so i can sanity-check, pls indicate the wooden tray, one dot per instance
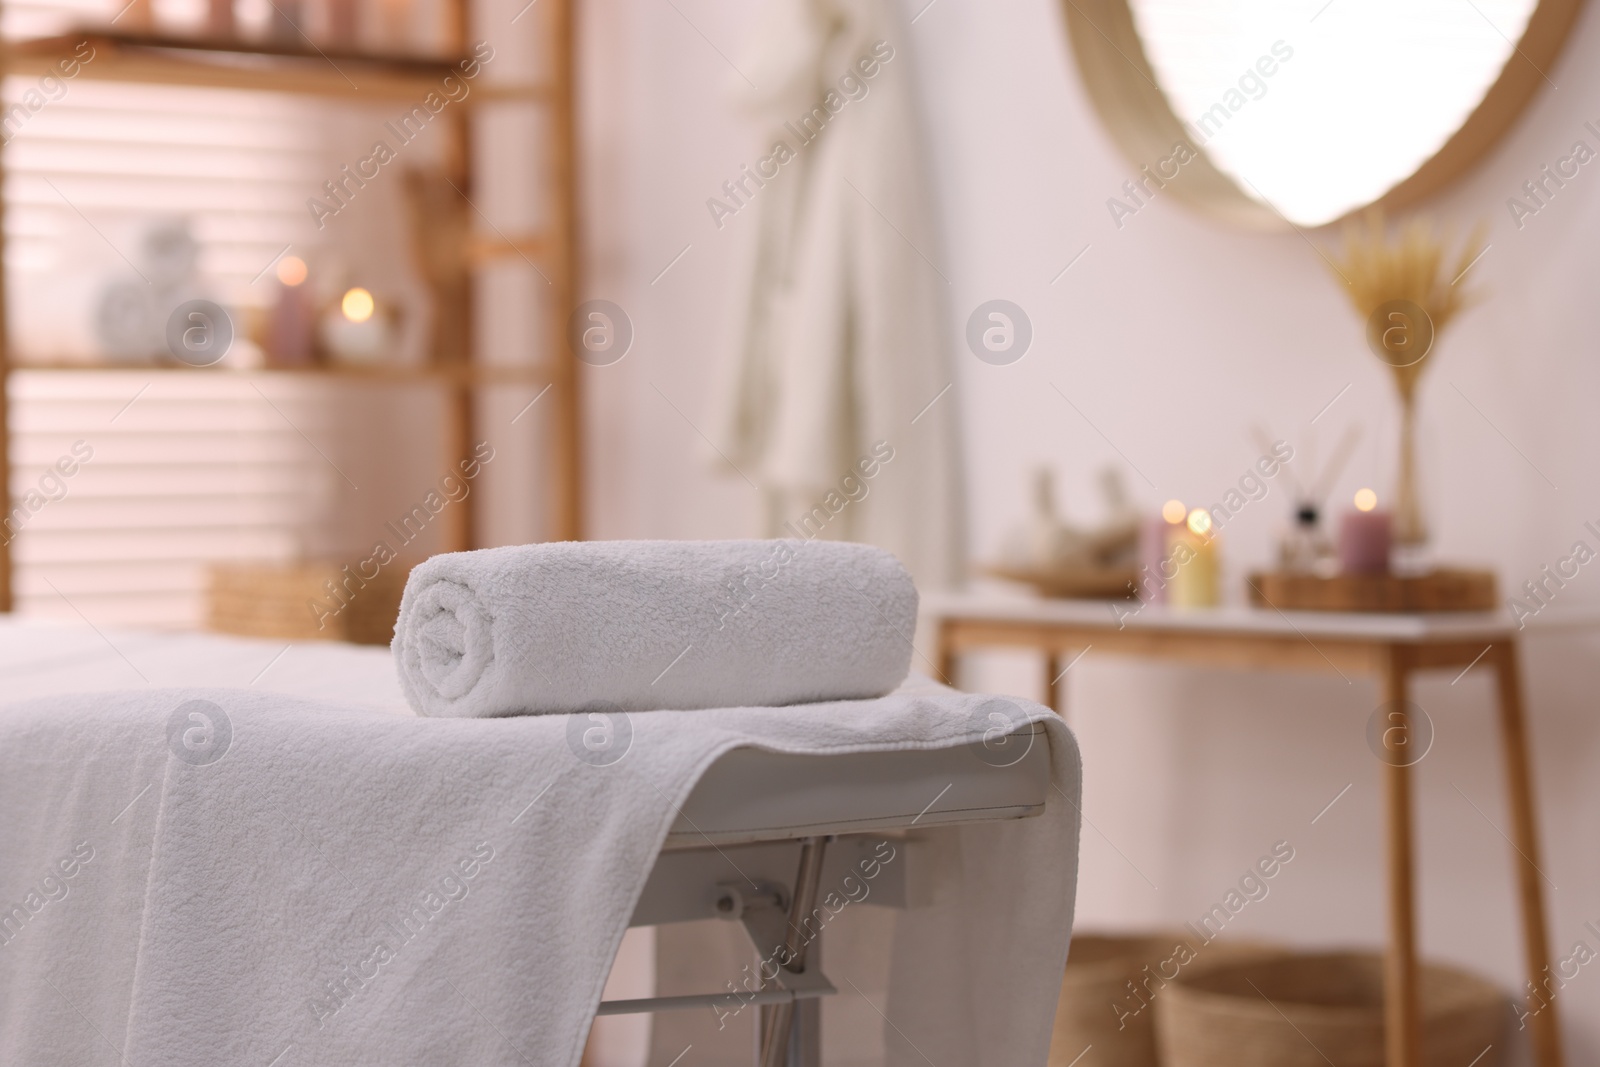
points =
(1443, 589)
(1109, 583)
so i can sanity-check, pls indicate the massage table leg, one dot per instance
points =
(778, 1020)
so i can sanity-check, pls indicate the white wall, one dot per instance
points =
(1173, 335)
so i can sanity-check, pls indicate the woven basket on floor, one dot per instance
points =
(1324, 1007)
(1097, 1007)
(292, 602)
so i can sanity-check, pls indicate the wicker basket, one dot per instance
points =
(279, 600)
(1325, 1007)
(1096, 1006)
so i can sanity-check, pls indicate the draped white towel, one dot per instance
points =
(345, 886)
(645, 625)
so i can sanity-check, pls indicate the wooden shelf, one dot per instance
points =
(449, 253)
(487, 249)
(259, 65)
(478, 374)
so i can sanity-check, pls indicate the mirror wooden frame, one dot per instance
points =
(1120, 81)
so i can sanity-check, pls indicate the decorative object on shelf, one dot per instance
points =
(291, 320)
(220, 25)
(358, 331)
(394, 21)
(288, 22)
(132, 312)
(1303, 546)
(125, 322)
(1073, 583)
(1198, 582)
(139, 16)
(437, 215)
(1441, 589)
(1365, 536)
(1062, 560)
(1045, 540)
(343, 23)
(1407, 295)
(171, 254)
(1155, 548)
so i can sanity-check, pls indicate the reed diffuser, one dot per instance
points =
(1407, 294)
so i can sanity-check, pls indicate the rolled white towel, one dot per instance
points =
(642, 625)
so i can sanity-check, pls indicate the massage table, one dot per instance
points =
(761, 840)
(764, 833)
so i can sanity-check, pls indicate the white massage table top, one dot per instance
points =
(41, 657)
(753, 794)
(748, 795)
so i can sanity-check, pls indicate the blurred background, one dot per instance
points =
(1165, 342)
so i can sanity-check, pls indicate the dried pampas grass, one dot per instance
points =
(1376, 270)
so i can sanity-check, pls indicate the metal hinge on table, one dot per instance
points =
(770, 916)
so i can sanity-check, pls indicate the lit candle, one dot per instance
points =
(292, 321)
(1364, 536)
(1155, 545)
(1197, 583)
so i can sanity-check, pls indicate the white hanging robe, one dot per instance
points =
(844, 337)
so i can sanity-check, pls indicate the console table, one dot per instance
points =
(1389, 647)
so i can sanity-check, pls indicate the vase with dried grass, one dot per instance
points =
(1407, 294)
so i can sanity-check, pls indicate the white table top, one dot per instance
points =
(1129, 615)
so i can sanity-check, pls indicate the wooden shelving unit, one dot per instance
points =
(349, 76)
(475, 374)
(232, 64)
(226, 64)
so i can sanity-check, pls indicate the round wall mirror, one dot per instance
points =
(1268, 112)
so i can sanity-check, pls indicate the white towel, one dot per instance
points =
(642, 625)
(345, 886)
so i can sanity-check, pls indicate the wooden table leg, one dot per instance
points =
(1402, 1014)
(1052, 673)
(1525, 837)
(944, 655)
